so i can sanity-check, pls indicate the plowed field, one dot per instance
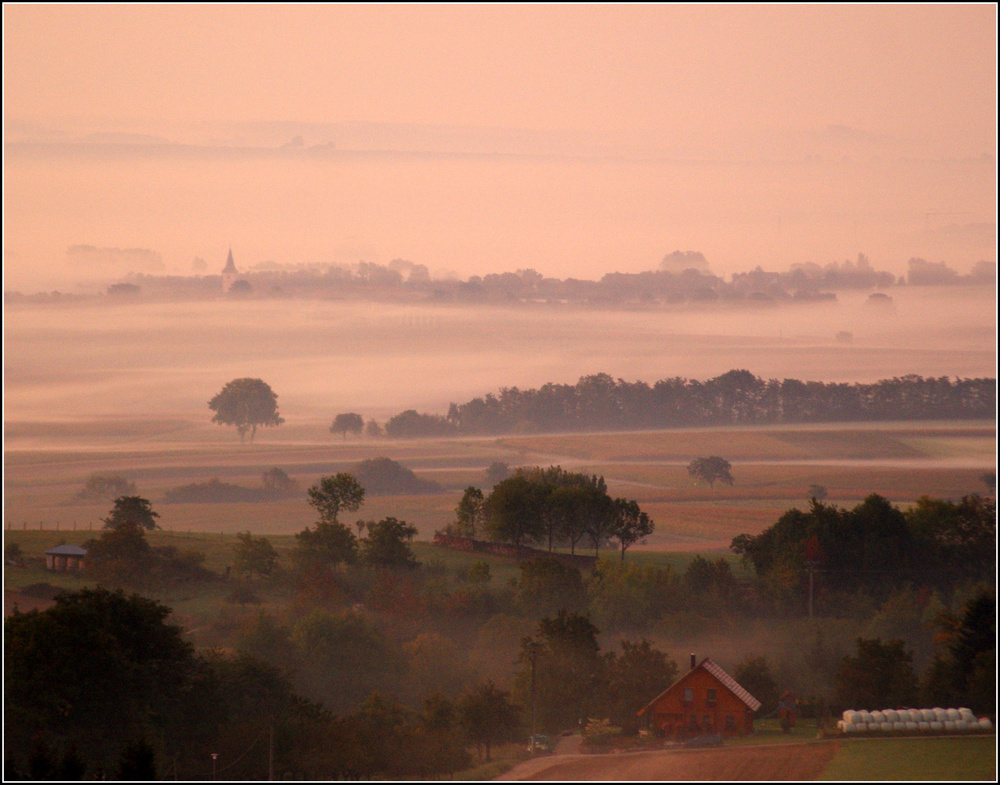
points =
(768, 763)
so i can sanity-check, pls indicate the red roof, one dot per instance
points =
(721, 676)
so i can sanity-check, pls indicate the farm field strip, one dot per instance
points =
(42, 485)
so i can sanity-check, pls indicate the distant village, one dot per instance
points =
(682, 277)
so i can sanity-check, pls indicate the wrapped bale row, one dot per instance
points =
(912, 720)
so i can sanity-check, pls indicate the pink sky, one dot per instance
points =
(684, 82)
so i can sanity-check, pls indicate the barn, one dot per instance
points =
(705, 700)
(65, 558)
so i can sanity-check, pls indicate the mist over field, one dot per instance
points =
(459, 214)
(322, 357)
(340, 576)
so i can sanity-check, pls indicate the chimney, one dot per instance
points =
(692, 661)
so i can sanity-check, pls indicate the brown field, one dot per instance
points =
(46, 464)
(768, 763)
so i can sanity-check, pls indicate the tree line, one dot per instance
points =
(600, 402)
(875, 546)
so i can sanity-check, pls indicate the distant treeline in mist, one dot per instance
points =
(599, 402)
(682, 276)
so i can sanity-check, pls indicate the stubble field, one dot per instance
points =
(773, 468)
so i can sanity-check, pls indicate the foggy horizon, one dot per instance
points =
(483, 139)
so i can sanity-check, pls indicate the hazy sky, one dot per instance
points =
(712, 82)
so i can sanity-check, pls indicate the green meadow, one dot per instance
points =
(944, 759)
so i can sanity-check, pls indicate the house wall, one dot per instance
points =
(675, 716)
(62, 563)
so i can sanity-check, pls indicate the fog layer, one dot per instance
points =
(325, 357)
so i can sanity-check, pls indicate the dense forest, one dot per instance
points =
(738, 397)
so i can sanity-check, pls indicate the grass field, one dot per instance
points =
(46, 465)
(945, 759)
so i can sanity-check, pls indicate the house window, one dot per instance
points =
(711, 697)
(689, 695)
(730, 722)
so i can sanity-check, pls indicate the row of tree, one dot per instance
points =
(551, 506)
(599, 402)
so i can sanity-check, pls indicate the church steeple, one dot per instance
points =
(230, 264)
(229, 273)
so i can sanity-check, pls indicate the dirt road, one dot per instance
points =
(768, 763)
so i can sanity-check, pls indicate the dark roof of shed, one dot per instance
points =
(66, 550)
(721, 676)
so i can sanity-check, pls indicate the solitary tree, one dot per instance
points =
(488, 716)
(337, 492)
(817, 492)
(325, 546)
(134, 509)
(711, 469)
(513, 511)
(247, 404)
(630, 524)
(110, 486)
(277, 482)
(754, 674)
(388, 544)
(470, 512)
(498, 471)
(254, 555)
(348, 421)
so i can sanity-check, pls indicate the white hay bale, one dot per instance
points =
(915, 715)
(923, 725)
(961, 725)
(927, 715)
(985, 724)
(911, 725)
(885, 726)
(949, 725)
(953, 715)
(891, 715)
(878, 716)
(967, 714)
(940, 714)
(899, 726)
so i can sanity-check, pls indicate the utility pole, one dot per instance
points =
(811, 567)
(533, 648)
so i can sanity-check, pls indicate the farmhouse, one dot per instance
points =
(65, 558)
(705, 700)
